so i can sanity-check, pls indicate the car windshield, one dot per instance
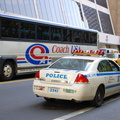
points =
(72, 64)
(112, 55)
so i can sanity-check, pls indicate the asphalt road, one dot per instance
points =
(17, 102)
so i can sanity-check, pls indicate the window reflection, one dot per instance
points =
(27, 31)
(9, 28)
(22, 7)
(43, 32)
(67, 35)
(8, 6)
(72, 13)
(28, 8)
(15, 6)
(53, 11)
(56, 34)
(49, 10)
(2, 5)
(32, 8)
(12, 28)
(58, 11)
(42, 9)
(66, 11)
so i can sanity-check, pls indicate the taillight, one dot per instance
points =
(37, 75)
(81, 79)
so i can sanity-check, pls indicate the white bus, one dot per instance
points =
(27, 45)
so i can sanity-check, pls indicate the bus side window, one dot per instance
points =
(43, 32)
(76, 36)
(67, 35)
(56, 34)
(9, 28)
(27, 30)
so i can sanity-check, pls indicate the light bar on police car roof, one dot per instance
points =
(88, 52)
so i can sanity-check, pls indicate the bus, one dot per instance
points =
(27, 44)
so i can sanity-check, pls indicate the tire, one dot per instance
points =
(8, 71)
(98, 99)
(49, 99)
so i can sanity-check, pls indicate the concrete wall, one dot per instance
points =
(114, 6)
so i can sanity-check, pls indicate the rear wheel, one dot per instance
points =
(8, 71)
(98, 99)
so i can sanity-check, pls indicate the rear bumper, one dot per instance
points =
(76, 92)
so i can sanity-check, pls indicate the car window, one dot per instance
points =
(72, 64)
(118, 56)
(113, 66)
(104, 66)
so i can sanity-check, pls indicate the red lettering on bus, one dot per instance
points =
(58, 49)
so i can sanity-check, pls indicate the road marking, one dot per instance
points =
(74, 113)
(16, 81)
(78, 112)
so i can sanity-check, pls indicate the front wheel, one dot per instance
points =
(8, 71)
(98, 99)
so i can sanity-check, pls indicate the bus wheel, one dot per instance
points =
(8, 71)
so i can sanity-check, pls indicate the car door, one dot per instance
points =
(116, 74)
(109, 75)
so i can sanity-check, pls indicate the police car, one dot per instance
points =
(78, 78)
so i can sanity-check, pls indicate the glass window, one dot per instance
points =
(42, 9)
(32, 8)
(27, 30)
(66, 11)
(56, 34)
(113, 66)
(22, 7)
(106, 23)
(71, 9)
(93, 38)
(53, 11)
(104, 66)
(9, 28)
(43, 32)
(2, 5)
(48, 10)
(76, 36)
(91, 0)
(67, 35)
(112, 55)
(28, 8)
(8, 6)
(92, 18)
(72, 64)
(84, 37)
(73, 13)
(58, 11)
(78, 14)
(102, 3)
(15, 6)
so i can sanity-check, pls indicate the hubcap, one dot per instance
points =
(7, 70)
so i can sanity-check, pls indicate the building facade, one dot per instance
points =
(114, 6)
(91, 14)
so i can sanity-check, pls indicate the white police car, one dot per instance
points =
(78, 78)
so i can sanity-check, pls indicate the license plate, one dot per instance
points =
(55, 90)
